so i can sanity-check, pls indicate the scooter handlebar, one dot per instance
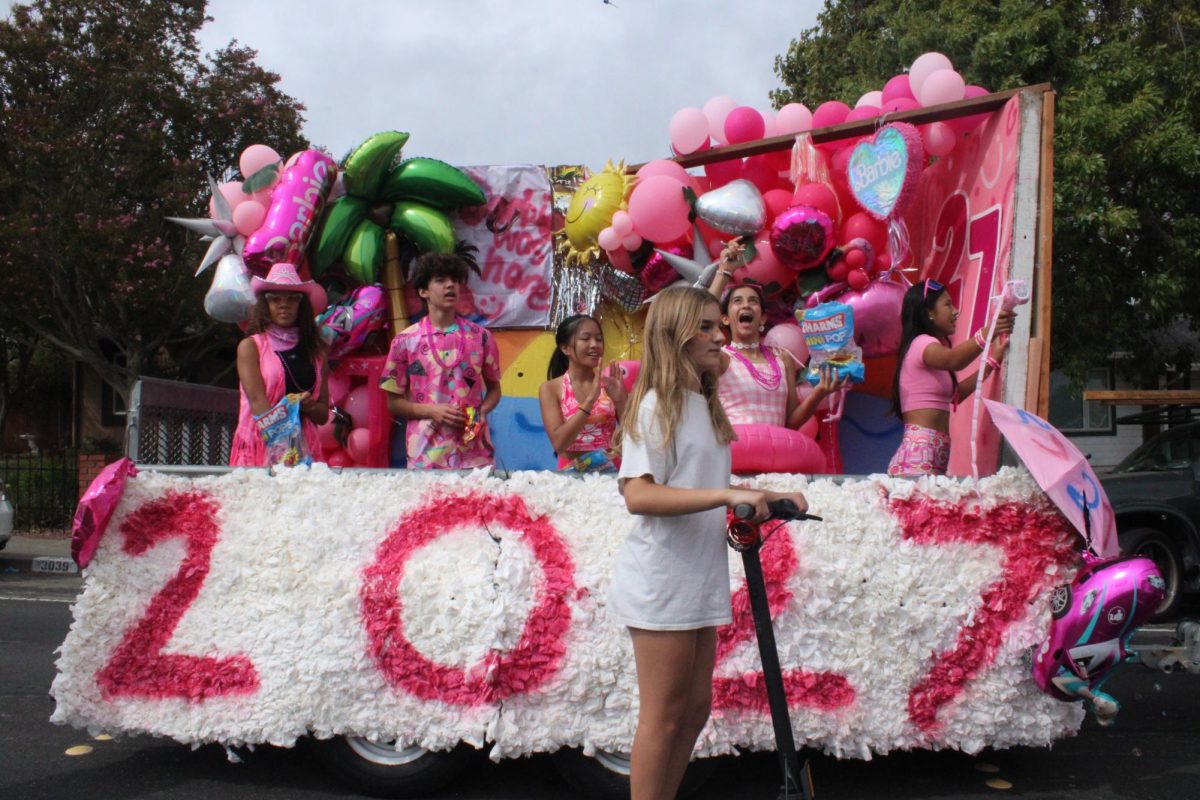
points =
(780, 509)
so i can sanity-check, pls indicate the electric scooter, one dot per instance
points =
(746, 538)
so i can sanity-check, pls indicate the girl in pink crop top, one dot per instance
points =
(581, 403)
(926, 388)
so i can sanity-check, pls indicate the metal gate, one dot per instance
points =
(43, 489)
(172, 422)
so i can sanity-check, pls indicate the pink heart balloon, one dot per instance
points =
(876, 317)
(884, 169)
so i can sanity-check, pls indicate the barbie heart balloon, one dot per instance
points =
(736, 208)
(884, 169)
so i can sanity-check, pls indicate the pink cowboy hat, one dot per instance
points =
(284, 278)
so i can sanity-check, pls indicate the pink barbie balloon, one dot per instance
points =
(1093, 620)
(802, 236)
(296, 205)
(884, 170)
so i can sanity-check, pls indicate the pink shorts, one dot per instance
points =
(922, 451)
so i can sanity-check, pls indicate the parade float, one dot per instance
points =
(401, 617)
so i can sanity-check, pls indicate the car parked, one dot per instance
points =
(6, 518)
(1155, 494)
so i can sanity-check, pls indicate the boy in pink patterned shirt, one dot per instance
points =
(443, 374)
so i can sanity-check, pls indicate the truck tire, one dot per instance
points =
(1160, 548)
(380, 770)
(605, 776)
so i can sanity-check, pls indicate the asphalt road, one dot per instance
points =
(1153, 752)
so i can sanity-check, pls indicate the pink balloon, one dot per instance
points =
(898, 104)
(609, 239)
(801, 237)
(688, 130)
(818, 196)
(939, 138)
(339, 387)
(631, 242)
(896, 88)
(715, 110)
(296, 205)
(777, 200)
(857, 279)
(248, 216)
(770, 125)
(787, 336)
(658, 209)
(743, 124)
(358, 445)
(943, 86)
(759, 171)
(233, 194)
(863, 226)
(832, 112)
(964, 124)
(358, 406)
(96, 508)
(672, 169)
(622, 223)
(338, 458)
(862, 112)
(794, 118)
(766, 268)
(925, 65)
(722, 172)
(255, 157)
(870, 99)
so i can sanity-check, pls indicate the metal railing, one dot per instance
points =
(43, 489)
(171, 422)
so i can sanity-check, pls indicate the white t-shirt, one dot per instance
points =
(672, 573)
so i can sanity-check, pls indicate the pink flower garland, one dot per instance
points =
(536, 657)
(1031, 542)
(137, 667)
(826, 691)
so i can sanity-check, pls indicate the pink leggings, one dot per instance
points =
(922, 451)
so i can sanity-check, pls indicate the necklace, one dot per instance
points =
(747, 346)
(433, 350)
(770, 383)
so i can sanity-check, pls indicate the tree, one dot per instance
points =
(110, 118)
(1127, 149)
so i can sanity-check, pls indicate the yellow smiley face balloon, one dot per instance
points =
(591, 210)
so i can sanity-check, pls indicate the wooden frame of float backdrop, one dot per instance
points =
(1033, 214)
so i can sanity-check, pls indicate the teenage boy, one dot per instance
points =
(443, 374)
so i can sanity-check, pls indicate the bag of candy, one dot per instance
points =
(829, 333)
(282, 433)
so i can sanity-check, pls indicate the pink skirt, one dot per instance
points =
(922, 451)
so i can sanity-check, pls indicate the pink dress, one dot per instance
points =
(247, 449)
(426, 365)
(598, 431)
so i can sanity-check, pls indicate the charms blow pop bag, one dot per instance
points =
(283, 433)
(829, 333)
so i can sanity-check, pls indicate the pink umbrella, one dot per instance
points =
(1063, 473)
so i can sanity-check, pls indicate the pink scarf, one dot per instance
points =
(282, 339)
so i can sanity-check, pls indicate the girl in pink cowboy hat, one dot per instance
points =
(283, 354)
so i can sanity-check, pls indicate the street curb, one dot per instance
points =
(38, 557)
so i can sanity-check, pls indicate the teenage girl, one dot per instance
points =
(926, 387)
(581, 403)
(670, 584)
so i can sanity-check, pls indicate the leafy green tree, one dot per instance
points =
(110, 117)
(1127, 142)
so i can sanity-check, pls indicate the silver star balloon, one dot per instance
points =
(221, 231)
(696, 271)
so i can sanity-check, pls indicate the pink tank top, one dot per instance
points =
(247, 448)
(920, 386)
(597, 433)
(754, 400)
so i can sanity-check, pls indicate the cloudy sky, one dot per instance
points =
(512, 81)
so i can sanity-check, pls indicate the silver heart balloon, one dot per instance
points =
(736, 208)
(230, 298)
